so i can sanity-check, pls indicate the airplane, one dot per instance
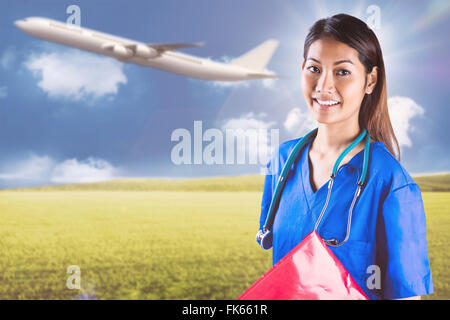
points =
(248, 66)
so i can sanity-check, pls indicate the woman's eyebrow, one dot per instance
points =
(336, 63)
(343, 61)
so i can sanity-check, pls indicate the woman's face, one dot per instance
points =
(333, 81)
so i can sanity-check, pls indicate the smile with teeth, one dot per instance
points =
(327, 102)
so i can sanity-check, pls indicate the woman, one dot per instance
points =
(384, 246)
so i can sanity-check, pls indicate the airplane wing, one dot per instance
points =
(161, 47)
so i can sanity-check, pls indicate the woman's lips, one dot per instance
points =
(326, 105)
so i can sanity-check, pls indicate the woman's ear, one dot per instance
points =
(303, 64)
(372, 78)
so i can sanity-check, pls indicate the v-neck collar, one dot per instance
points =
(355, 163)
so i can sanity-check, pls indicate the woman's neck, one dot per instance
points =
(334, 138)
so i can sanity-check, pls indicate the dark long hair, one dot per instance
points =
(373, 114)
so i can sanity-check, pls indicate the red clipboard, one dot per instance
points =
(310, 271)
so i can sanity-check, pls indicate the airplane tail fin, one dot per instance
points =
(257, 58)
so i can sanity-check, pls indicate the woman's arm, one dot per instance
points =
(403, 247)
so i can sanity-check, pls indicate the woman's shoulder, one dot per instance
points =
(280, 156)
(286, 147)
(386, 167)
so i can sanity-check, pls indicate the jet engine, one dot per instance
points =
(121, 52)
(145, 52)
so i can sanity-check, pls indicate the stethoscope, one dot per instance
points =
(264, 236)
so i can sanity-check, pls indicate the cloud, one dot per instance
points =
(91, 170)
(298, 122)
(3, 92)
(224, 59)
(44, 169)
(33, 168)
(74, 74)
(8, 57)
(249, 121)
(269, 83)
(254, 127)
(401, 111)
(229, 84)
(266, 83)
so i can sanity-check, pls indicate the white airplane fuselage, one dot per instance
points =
(117, 47)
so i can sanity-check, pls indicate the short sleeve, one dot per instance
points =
(403, 254)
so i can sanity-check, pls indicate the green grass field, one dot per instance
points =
(231, 184)
(153, 244)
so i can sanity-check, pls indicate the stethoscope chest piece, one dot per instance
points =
(264, 239)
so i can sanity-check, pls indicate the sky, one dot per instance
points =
(69, 116)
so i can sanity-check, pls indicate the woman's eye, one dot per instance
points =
(313, 69)
(343, 72)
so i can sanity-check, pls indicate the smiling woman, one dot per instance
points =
(351, 68)
(378, 231)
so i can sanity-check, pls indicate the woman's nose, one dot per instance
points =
(325, 82)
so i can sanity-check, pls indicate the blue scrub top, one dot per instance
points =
(388, 229)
